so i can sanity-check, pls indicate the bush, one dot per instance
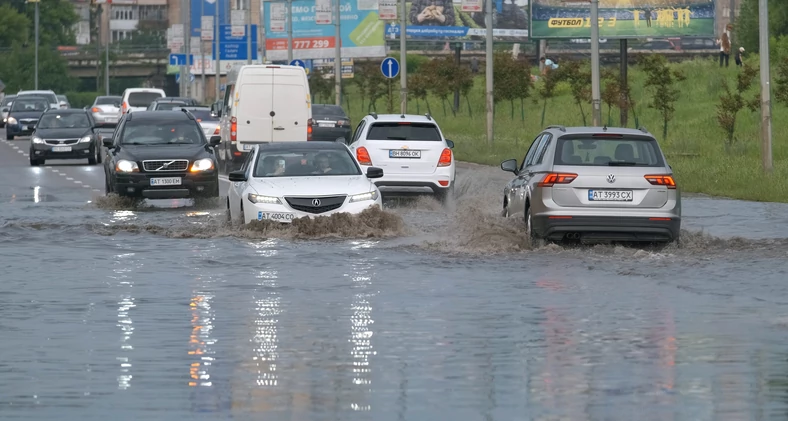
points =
(82, 99)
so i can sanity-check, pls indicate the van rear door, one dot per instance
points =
(253, 117)
(291, 108)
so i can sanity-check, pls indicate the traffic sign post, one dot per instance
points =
(180, 60)
(299, 63)
(389, 67)
(235, 47)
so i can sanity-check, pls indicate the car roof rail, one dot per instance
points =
(429, 117)
(643, 129)
(374, 115)
(556, 126)
(188, 114)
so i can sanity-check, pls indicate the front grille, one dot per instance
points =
(61, 141)
(308, 204)
(166, 165)
(28, 120)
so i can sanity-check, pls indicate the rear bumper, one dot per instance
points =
(608, 228)
(410, 184)
(16, 130)
(328, 134)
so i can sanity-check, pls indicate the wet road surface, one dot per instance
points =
(164, 312)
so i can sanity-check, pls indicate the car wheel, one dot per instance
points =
(9, 137)
(535, 240)
(34, 162)
(98, 154)
(445, 195)
(92, 159)
(242, 216)
(505, 212)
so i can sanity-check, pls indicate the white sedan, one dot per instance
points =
(288, 180)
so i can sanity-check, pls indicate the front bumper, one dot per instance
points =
(286, 214)
(78, 151)
(192, 185)
(19, 129)
(656, 228)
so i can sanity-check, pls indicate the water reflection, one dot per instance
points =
(361, 329)
(36, 194)
(123, 215)
(125, 282)
(200, 340)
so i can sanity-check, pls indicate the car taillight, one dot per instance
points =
(343, 123)
(362, 155)
(557, 178)
(124, 107)
(233, 129)
(662, 180)
(445, 159)
(95, 110)
(309, 129)
(217, 130)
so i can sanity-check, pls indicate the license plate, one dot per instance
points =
(248, 146)
(327, 124)
(26, 127)
(61, 149)
(610, 195)
(404, 153)
(169, 181)
(275, 216)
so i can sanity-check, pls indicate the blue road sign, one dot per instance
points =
(299, 63)
(178, 77)
(180, 60)
(234, 48)
(389, 67)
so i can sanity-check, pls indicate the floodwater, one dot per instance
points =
(163, 311)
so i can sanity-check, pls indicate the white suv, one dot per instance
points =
(411, 150)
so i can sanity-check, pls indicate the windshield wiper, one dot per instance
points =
(623, 164)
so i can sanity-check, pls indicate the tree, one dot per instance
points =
(418, 85)
(17, 70)
(611, 91)
(547, 90)
(746, 26)
(661, 79)
(578, 76)
(733, 101)
(56, 20)
(319, 85)
(13, 26)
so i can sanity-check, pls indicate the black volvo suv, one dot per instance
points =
(161, 155)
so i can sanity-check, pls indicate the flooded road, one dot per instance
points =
(162, 311)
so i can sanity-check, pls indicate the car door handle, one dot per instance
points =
(279, 128)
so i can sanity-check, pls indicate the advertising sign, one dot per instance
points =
(323, 13)
(623, 18)
(456, 20)
(361, 33)
(209, 6)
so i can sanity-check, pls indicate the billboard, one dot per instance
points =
(209, 6)
(446, 20)
(623, 18)
(361, 31)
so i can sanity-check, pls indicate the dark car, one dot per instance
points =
(171, 103)
(330, 122)
(65, 134)
(5, 105)
(24, 114)
(161, 155)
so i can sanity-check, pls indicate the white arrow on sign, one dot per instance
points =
(391, 71)
(210, 1)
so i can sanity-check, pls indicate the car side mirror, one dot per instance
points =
(510, 165)
(374, 172)
(450, 143)
(237, 176)
(107, 142)
(215, 140)
(5, 110)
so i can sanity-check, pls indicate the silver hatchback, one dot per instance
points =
(594, 184)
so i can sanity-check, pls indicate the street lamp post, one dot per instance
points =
(36, 32)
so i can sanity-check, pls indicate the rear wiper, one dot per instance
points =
(622, 164)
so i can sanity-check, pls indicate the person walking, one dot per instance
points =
(725, 46)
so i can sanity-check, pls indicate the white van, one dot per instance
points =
(54, 103)
(263, 103)
(138, 99)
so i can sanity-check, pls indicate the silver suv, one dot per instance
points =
(594, 184)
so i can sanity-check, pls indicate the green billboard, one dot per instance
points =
(623, 18)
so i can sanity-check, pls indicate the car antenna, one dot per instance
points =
(604, 128)
(402, 116)
(374, 115)
(429, 117)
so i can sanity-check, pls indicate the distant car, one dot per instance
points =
(330, 122)
(24, 114)
(138, 99)
(283, 181)
(161, 155)
(54, 102)
(5, 105)
(594, 184)
(65, 134)
(171, 103)
(105, 110)
(209, 123)
(412, 151)
(63, 101)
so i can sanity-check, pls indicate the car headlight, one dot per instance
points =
(11, 120)
(270, 200)
(126, 166)
(373, 195)
(204, 164)
(36, 139)
(85, 139)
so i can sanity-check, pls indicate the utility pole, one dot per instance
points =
(106, 49)
(99, 11)
(766, 94)
(403, 58)
(249, 32)
(187, 41)
(488, 22)
(202, 54)
(289, 31)
(217, 39)
(337, 53)
(596, 95)
(36, 23)
(184, 49)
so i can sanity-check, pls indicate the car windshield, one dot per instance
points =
(49, 97)
(305, 162)
(108, 100)
(328, 110)
(64, 121)
(7, 100)
(62, 98)
(404, 131)
(166, 106)
(142, 99)
(161, 132)
(608, 151)
(29, 104)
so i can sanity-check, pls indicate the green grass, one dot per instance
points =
(695, 145)
(627, 29)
